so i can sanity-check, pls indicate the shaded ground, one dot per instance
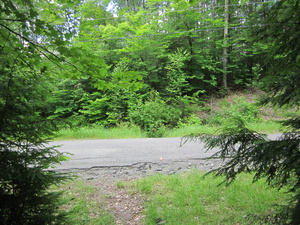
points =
(127, 207)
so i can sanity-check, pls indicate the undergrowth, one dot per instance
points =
(262, 120)
(94, 132)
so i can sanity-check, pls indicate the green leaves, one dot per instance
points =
(24, 156)
(177, 79)
(244, 149)
(154, 116)
(231, 114)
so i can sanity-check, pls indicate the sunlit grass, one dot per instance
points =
(190, 198)
(100, 133)
(134, 132)
(266, 127)
(191, 129)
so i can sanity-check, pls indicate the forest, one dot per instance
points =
(148, 63)
(155, 63)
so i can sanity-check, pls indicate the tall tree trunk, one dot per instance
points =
(225, 55)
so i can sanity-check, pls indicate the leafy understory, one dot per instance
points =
(218, 112)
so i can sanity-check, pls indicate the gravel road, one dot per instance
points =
(134, 157)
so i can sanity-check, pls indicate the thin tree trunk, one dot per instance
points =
(225, 55)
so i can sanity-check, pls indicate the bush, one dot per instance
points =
(108, 109)
(193, 119)
(155, 117)
(241, 110)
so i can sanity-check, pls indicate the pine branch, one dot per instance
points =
(44, 51)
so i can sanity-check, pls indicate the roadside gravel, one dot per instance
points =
(141, 169)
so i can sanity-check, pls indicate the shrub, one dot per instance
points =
(241, 110)
(155, 117)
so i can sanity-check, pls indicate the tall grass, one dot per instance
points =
(192, 199)
(125, 132)
(100, 133)
(267, 127)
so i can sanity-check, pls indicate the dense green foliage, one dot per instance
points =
(247, 150)
(155, 116)
(171, 48)
(229, 113)
(28, 39)
(148, 63)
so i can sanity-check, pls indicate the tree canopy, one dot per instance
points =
(131, 50)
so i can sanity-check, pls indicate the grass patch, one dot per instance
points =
(267, 127)
(191, 129)
(82, 208)
(190, 198)
(100, 133)
(134, 132)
